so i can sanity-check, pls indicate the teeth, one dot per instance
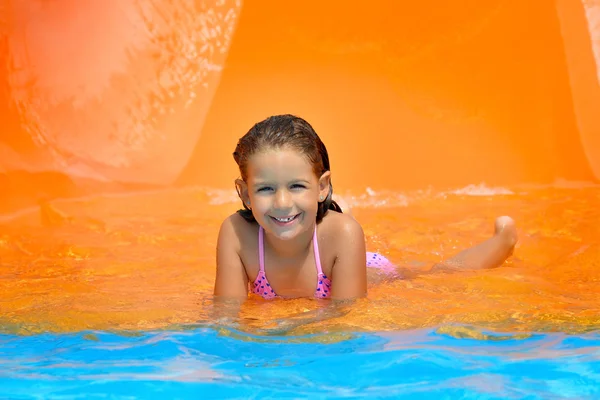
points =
(285, 219)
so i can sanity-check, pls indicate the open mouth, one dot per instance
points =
(285, 220)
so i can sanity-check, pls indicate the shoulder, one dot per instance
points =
(342, 229)
(235, 230)
(349, 267)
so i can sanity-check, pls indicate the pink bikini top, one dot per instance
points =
(264, 289)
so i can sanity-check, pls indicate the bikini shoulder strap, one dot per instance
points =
(316, 250)
(261, 249)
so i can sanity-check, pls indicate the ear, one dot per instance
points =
(242, 190)
(324, 185)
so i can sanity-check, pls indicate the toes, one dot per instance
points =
(503, 222)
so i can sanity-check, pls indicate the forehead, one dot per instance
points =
(279, 164)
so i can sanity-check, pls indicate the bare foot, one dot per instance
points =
(506, 227)
(488, 254)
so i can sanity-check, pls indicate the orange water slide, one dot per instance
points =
(107, 94)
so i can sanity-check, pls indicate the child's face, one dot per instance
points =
(284, 192)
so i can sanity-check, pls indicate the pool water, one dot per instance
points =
(111, 296)
(207, 363)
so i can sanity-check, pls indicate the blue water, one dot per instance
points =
(208, 363)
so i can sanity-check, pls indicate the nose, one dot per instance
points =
(283, 199)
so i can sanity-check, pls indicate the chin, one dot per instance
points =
(287, 235)
(291, 232)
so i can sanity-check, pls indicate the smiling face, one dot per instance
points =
(283, 191)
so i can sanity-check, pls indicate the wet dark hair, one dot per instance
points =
(285, 131)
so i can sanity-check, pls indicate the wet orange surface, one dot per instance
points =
(411, 99)
(147, 261)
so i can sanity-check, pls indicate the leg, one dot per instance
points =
(489, 254)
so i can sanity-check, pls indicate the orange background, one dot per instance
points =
(121, 95)
(404, 94)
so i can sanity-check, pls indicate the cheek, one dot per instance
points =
(258, 202)
(310, 201)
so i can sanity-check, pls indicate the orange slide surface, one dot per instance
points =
(122, 96)
(126, 94)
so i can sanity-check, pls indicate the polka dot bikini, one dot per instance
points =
(375, 260)
(263, 288)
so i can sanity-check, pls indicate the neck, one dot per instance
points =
(290, 248)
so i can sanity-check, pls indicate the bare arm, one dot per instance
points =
(349, 274)
(231, 280)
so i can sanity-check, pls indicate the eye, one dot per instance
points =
(298, 186)
(264, 189)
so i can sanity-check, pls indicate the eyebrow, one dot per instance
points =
(270, 183)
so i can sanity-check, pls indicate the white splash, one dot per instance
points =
(592, 14)
(481, 190)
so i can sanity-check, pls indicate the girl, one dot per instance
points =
(292, 239)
